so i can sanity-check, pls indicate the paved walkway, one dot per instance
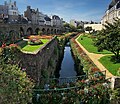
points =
(95, 57)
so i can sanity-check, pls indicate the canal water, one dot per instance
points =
(67, 65)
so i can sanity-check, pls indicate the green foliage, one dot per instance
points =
(88, 44)
(109, 38)
(73, 28)
(88, 29)
(32, 48)
(35, 42)
(10, 54)
(22, 43)
(15, 86)
(69, 28)
(115, 97)
(40, 32)
(118, 72)
(66, 25)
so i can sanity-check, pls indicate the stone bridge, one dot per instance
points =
(27, 29)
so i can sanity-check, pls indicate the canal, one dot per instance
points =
(67, 66)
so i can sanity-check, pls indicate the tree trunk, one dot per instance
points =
(117, 55)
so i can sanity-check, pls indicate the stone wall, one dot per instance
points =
(43, 63)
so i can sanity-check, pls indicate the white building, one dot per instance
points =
(112, 12)
(12, 8)
(12, 11)
(95, 27)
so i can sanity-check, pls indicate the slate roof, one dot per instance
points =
(112, 3)
(47, 18)
(55, 17)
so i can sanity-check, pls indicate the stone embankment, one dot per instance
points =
(41, 64)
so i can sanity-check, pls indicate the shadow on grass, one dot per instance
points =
(115, 60)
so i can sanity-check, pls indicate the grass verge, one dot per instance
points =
(111, 66)
(88, 44)
(32, 48)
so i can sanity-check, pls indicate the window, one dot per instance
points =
(12, 6)
(119, 13)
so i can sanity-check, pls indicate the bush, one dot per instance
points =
(15, 86)
(35, 42)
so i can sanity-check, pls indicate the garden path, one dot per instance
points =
(95, 57)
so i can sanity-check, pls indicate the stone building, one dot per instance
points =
(41, 19)
(13, 12)
(47, 20)
(112, 12)
(56, 21)
(3, 13)
(9, 11)
(32, 15)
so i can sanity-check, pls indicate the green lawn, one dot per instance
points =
(111, 66)
(32, 48)
(88, 44)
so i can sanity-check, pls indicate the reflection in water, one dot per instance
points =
(67, 66)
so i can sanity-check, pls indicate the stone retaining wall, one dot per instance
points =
(43, 63)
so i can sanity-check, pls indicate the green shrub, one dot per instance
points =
(35, 42)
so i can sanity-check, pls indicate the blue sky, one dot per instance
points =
(85, 10)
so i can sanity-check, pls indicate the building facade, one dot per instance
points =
(56, 21)
(3, 12)
(32, 15)
(112, 12)
(95, 27)
(9, 11)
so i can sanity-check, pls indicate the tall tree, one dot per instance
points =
(109, 38)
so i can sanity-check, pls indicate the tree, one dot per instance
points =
(66, 27)
(73, 28)
(88, 29)
(80, 28)
(15, 86)
(115, 96)
(109, 38)
(40, 33)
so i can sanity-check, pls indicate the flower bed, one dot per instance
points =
(35, 42)
(84, 60)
